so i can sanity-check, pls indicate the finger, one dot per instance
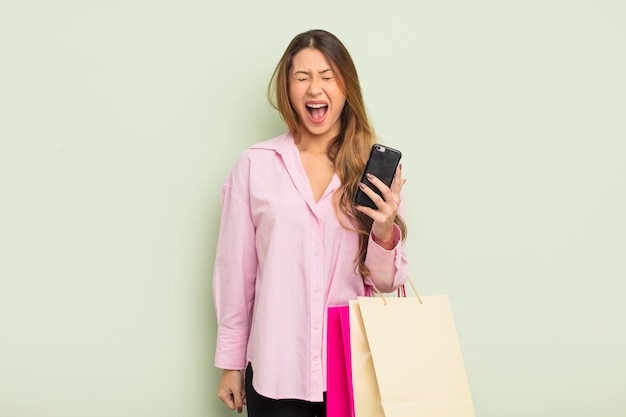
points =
(376, 182)
(238, 397)
(374, 196)
(227, 398)
(368, 211)
(382, 188)
(398, 182)
(380, 215)
(388, 196)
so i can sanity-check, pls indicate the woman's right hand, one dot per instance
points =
(230, 390)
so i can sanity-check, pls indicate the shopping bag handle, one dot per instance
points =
(401, 291)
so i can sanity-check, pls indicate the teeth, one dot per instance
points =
(316, 106)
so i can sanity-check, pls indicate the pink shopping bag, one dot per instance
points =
(339, 394)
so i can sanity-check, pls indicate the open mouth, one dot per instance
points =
(317, 111)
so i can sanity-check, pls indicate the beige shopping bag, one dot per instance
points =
(364, 385)
(417, 360)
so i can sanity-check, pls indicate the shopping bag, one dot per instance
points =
(339, 402)
(417, 360)
(366, 395)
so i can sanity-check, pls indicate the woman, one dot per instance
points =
(292, 242)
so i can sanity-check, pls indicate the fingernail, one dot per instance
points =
(361, 186)
(369, 176)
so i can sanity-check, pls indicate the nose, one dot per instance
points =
(315, 87)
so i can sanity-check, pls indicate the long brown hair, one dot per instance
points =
(350, 149)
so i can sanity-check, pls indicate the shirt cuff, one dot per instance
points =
(230, 351)
(387, 267)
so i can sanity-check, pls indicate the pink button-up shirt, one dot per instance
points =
(282, 259)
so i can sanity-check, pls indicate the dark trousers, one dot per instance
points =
(260, 406)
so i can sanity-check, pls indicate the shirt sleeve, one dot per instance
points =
(388, 268)
(235, 270)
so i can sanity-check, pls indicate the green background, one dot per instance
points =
(119, 121)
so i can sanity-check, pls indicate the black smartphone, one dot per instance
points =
(382, 164)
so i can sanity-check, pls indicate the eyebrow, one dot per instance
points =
(308, 73)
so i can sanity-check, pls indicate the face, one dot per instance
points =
(315, 94)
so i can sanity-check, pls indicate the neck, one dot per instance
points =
(313, 144)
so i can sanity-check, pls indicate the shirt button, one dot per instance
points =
(315, 358)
